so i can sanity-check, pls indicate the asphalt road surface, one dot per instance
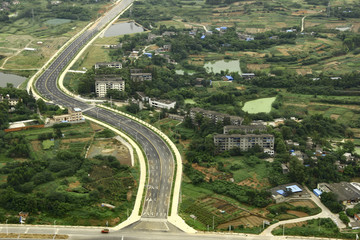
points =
(160, 158)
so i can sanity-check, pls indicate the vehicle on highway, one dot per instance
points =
(105, 230)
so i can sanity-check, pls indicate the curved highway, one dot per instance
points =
(160, 158)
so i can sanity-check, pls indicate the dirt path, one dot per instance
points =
(17, 53)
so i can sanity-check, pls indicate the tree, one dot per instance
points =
(349, 146)
(297, 171)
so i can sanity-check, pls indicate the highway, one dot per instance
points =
(160, 158)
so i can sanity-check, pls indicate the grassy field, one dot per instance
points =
(259, 105)
(95, 53)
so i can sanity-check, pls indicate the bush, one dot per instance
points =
(344, 218)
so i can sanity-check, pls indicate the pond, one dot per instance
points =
(259, 105)
(181, 72)
(10, 78)
(118, 29)
(223, 65)
(57, 21)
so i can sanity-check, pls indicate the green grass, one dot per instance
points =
(47, 144)
(189, 101)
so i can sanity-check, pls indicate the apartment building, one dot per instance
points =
(140, 77)
(215, 116)
(244, 129)
(117, 65)
(162, 103)
(104, 83)
(226, 142)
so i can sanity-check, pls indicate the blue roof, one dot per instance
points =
(148, 54)
(317, 192)
(280, 192)
(218, 29)
(249, 39)
(294, 188)
(230, 78)
(223, 28)
(203, 36)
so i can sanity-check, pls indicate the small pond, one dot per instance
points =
(223, 65)
(118, 29)
(10, 78)
(259, 105)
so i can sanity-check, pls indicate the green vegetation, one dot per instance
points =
(321, 227)
(47, 144)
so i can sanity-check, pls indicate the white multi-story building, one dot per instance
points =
(104, 83)
(162, 103)
(117, 65)
(226, 142)
(215, 116)
(73, 116)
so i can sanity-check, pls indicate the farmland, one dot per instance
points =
(93, 180)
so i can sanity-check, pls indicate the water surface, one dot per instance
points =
(10, 78)
(118, 29)
(223, 65)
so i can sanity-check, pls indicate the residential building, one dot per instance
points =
(104, 83)
(142, 96)
(176, 117)
(215, 116)
(244, 129)
(74, 115)
(134, 54)
(225, 142)
(140, 77)
(167, 104)
(117, 65)
(346, 193)
(9, 100)
(248, 75)
(288, 191)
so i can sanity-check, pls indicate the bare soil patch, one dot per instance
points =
(248, 221)
(297, 213)
(74, 185)
(303, 203)
(36, 236)
(304, 71)
(110, 147)
(254, 182)
(75, 140)
(283, 51)
(211, 172)
(95, 127)
(36, 145)
(334, 116)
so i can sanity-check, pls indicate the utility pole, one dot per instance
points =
(283, 230)
(213, 223)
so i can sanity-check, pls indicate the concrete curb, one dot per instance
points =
(38, 73)
(62, 76)
(134, 217)
(174, 218)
